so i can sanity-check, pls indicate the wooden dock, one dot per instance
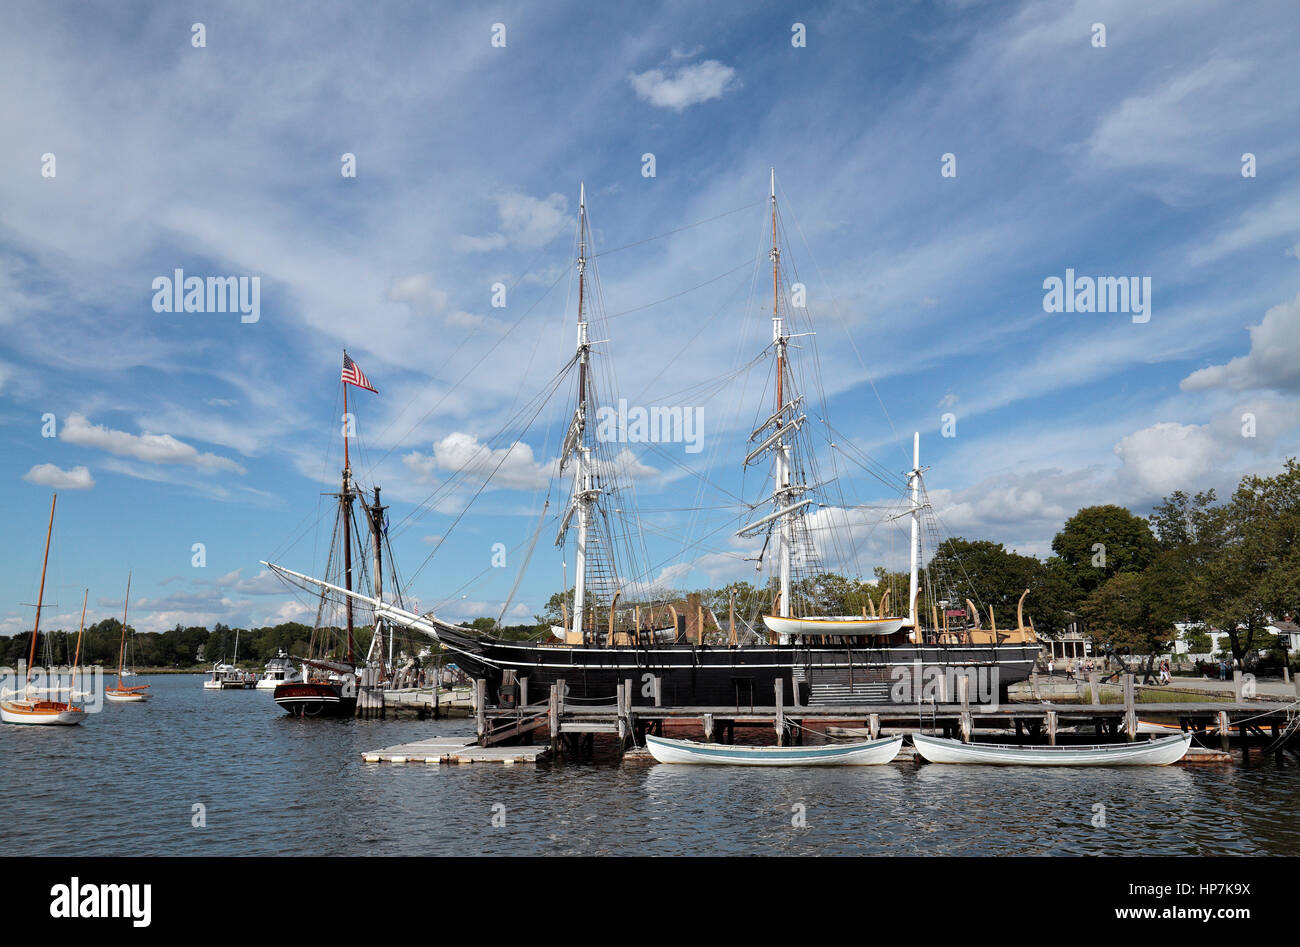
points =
(571, 729)
(506, 734)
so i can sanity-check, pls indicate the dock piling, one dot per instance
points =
(480, 710)
(1130, 708)
(779, 720)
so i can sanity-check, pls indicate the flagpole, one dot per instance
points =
(347, 463)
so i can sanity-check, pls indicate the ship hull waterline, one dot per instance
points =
(315, 699)
(716, 676)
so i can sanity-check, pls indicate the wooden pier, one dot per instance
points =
(539, 731)
(571, 728)
(375, 701)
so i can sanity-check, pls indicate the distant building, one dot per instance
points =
(1070, 645)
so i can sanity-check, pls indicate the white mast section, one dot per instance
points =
(583, 494)
(914, 481)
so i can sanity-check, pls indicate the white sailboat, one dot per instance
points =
(26, 707)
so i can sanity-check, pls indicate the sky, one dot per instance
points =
(472, 127)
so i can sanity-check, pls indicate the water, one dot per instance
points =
(125, 782)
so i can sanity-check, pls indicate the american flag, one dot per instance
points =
(353, 375)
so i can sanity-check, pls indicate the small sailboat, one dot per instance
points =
(122, 693)
(1159, 752)
(868, 753)
(21, 708)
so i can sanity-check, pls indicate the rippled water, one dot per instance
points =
(125, 782)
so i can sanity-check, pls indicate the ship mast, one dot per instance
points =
(776, 435)
(782, 452)
(345, 510)
(914, 482)
(377, 531)
(583, 494)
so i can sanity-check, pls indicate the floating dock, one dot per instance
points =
(454, 751)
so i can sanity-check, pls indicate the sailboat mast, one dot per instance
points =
(581, 474)
(72, 693)
(121, 653)
(40, 595)
(782, 463)
(914, 481)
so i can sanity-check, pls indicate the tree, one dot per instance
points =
(988, 574)
(1129, 613)
(1099, 542)
(1252, 570)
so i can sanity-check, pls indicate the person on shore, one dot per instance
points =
(1223, 670)
(1069, 671)
(1051, 667)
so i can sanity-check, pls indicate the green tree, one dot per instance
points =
(1100, 542)
(1129, 613)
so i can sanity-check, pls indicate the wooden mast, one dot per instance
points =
(40, 595)
(72, 692)
(121, 653)
(377, 531)
(345, 507)
(782, 458)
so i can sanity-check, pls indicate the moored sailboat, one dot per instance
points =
(22, 708)
(121, 693)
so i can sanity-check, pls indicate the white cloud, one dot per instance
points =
(511, 467)
(1169, 456)
(421, 295)
(1272, 362)
(152, 448)
(523, 222)
(685, 86)
(48, 475)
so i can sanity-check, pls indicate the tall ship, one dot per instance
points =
(326, 686)
(815, 656)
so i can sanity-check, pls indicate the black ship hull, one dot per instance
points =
(315, 699)
(721, 676)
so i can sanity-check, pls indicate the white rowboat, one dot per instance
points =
(837, 625)
(870, 753)
(1160, 752)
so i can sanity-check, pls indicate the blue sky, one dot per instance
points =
(225, 160)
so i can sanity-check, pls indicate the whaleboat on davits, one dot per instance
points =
(840, 659)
